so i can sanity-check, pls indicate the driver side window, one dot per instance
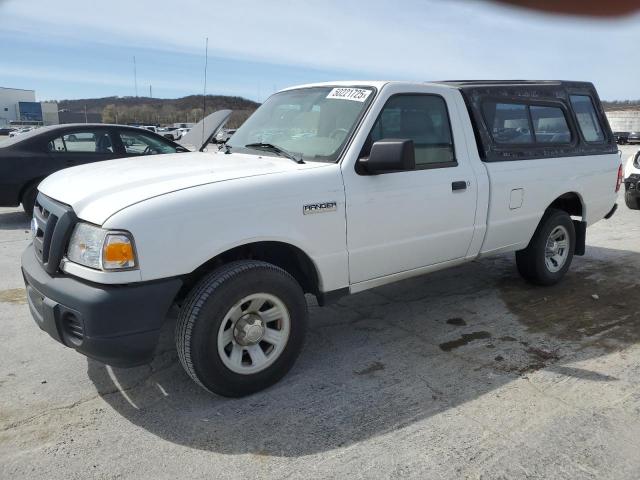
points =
(423, 119)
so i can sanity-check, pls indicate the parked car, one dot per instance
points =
(622, 138)
(172, 133)
(20, 131)
(632, 182)
(6, 131)
(28, 158)
(224, 135)
(362, 185)
(633, 137)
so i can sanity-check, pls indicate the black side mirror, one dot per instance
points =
(389, 155)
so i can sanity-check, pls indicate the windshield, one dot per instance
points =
(311, 123)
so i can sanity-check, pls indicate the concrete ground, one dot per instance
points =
(466, 373)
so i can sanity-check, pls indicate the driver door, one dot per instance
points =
(406, 220)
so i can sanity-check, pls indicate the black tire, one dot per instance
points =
(632, 202)
(204, 310)
(531, 261)
(28, 199)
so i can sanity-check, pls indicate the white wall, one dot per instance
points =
(9, 98)
(50, 113)
(624, 120)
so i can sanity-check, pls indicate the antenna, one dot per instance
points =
(135, 75)
(204, 93)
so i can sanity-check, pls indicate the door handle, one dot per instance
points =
(461, 185)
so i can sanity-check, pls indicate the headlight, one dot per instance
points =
(95, 247)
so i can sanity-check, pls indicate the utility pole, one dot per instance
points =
(150, 92)
(204, 92)
(135, 75)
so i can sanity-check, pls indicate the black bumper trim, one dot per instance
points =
(115, 324)
(611, 212)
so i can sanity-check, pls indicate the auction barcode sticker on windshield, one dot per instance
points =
(348, 93)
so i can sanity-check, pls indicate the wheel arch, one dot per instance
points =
(570, 202)
(285, 255)
(573, 204)
(27, 185)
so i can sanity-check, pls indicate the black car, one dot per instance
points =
(28, 158)
(622, 138)
(633, 137)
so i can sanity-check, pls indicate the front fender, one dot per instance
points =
(178, 232)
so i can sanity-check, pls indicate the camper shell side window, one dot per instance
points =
(534, 120)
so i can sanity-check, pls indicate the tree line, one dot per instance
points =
(621, 105)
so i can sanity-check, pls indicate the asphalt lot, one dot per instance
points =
(465, 373)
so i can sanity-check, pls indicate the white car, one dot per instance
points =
(172, 133)
(20, 131)
(327, 189)
(632, 182)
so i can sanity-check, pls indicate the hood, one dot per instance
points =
(202, 132)
(98, 190)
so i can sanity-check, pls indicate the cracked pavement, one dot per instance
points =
(465, 373)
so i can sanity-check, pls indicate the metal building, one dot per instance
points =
(10, 99)
(624, 120)
(19, 107)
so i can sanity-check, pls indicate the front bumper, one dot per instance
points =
(115, 324)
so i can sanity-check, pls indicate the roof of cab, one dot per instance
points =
(378, 84)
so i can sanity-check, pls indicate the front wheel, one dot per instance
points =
(241, 328)
(550, 252)
(28, 199)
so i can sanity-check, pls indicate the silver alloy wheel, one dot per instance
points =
(557, 249)
(254, 333)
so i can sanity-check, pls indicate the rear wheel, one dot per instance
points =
(28, 199)
(632, 202)
(241, 328)
(550, 252)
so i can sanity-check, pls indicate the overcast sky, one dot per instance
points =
(77, 49)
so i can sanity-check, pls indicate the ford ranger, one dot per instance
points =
(327, 189)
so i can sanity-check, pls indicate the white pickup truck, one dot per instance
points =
(328, 190)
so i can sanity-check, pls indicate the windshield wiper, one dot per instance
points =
(275, 149)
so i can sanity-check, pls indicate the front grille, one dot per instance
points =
(45, 224)
(54, 222)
